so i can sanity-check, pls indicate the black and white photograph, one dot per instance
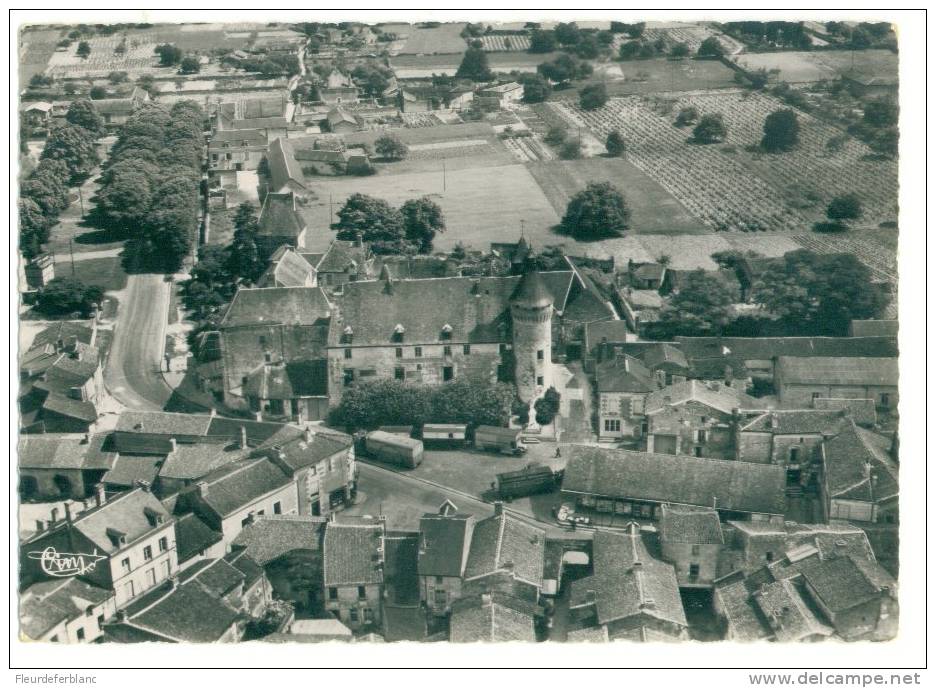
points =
(558, 331)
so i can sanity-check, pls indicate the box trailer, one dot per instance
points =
(530, 480)
(503, 440)
(396, 449)
(444, 434)
(402, 430)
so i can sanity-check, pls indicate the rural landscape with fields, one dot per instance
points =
(458, 332)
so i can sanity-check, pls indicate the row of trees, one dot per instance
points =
(801, 294)
(150, 188)
(392, 402)
(68, 158)
(410, 228)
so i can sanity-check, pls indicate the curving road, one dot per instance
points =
(131, 374)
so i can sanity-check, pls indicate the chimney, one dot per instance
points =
(258, 416)
(213, 412)
(40, 525)
(243, 437)
(202, 488)
(359, 239)
(68, 513)
(100, 498)
(54, 514)
(59, 345)
(121, 615)
(86, 439)
(498, 508)
(173, 445)
(142, 484)
(309, 434)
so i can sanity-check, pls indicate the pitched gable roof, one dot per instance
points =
(279, 216)
(624, 374)
(46, 604)
(270, 537)
(834, 370)
(444, 541)
(277, 305)
(237, 485)
(715, 395)
(283, 167)
(690, 525)
(492, 618)
(505, 543)
(857, 465)
(351, 554)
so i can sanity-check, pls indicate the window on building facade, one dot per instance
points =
(693, 570)
(446, 350)
(277, 508)
(441, 599)
(466, 349)
(769, 556)
(347, 353)
(612, 425)
(167, 565)
(151, 578)
(81, 634)
(885, 399)
(125, 564)
(697, 451)
(361, 592)
(147, 553)
(348, 377)
(539, 380)
(333, 593)
(539, 355)
(399, 352)
(399, 374)
(438, 580)
(100, 621)
(417, 352)
(448, 373)
(163, 544)
(368, 615)
(695, 550)
(816, 395)
(353, 613)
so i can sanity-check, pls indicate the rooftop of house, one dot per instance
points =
(340, 256)
(503, 88)
(162, 423)
(662, 354)
(858, 465)
(320, 627)
(691, 481)
(862, 411)
(279, 216)
(647, 271)
(445, 538)
(610, 331)
(830, 539)
(627, 581)
(715, 395)
(308, 448)
(842, 583)
(873, 328)
(215, 576)
(401, 578)
(283, 166)
(835, 370)
(786, 613)
(55, 451)
(744, 618)
(690, 525)
(475, 308)
(493, 618)
(193, 536)
(129, 469)
(797, 422)
(61, 405)
(624, 373)
(66, 331)
(235, 486)
(191, 461)
(765, 348)
(418, 267)
(277, 305)
(338, 116)
(352, 553)
(232, 138)
(46, 604)
(504, 543)
(270, 537)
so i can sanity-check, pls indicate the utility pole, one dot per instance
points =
(331, 216)
(443, 176)
(81, 201)
(71, 251)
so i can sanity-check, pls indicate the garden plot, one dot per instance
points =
(505, 43)
(528, 149)
(730, 188)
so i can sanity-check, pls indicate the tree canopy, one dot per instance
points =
(64, 296)
(701, 307)
(781, 131)
(373, 217)
(390, 147)
(422, 220)
(474, 66)
(844, 208)
(615, 144)
(710, 129)
(73, 145)
(711, 47)
(83, 113)
(565, 68)
(597, 212)
(542, 41)
(593, 96)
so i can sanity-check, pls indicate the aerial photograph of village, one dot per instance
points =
(454, 332)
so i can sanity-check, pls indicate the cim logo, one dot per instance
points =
(64, 564)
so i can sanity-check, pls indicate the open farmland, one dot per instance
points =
(655, 76)
(511, 43)
(424, 66)
(809, 66)
(732, 188)
(653, 209)
(481, 204)
(35, 49)
(442, 39)
(690, 34)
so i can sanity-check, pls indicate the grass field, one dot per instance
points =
(106, 273)
(35, 49)
(655, 76)
(445, 38)
(653, 209)
(799, 67)
(481, 204)
(424, 66)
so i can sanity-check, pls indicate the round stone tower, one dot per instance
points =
(531, 314)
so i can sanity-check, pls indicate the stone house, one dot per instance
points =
(53, 466)
(65, 610)
(280, 223)
(353, 572)
(444, 544)
(691, 540)
(801, 380)
(623, 383)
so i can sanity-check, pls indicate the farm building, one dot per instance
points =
(800, 380)
(503, 96)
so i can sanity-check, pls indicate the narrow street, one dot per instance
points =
(131, 374)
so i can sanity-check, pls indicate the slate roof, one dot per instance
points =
(796, 422)
(765, 348)
(505, 543)
(715, 395)
(287, 269)
(724, 485)
(46, 604)
(187, 613)
(837, 371)
(477, 309)
(493, 618)
(192, 461)
(624, 374)
(283, 167)
(193, 536)
(745, 620)
(338, 116)
(532, 292)
(277, 305)
(351, 554)
(240, 483)
(70, 408)
(689, 525)
(279, 217)
(610, 330)
(342, 254)
(128, 469)
(443, 543)
(787, 614)
(67, 452)
(627, 582)
(66, 330)
(270, 537)
(857, 466)
(259, 123)
(259, 433)
(299, 453)
(225, 139)
(663, 353)
(289, 380)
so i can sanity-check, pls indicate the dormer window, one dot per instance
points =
(347, 335)
(154, 517)
(398, 333)
(118, 538)
(446, 331)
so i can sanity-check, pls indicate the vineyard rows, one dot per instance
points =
(729, 188)
(504, 43)
(528, 149)
(881, 262)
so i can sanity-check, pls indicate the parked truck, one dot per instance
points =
(529, 480)
(396, 449)
(448, 435)
(503, 440)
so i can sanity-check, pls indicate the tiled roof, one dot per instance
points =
(342, 254)
(610, 330)
(193, 536)
(797, 422)
(833, 370)
(724, 485)
(862, 411)
(628, 582)
(857, 465)
(715, 395)
(444, 541)
(215, 576)
(270, 537)
(744, 618)
(844, 582)
(62, 451)
(258, 432)
(279, 217)
(46, 604)
(66, 330)
(238, 484)
(283, 167)
(186, 613)
(505, 543)
(241, 561)
(624, 374)
(477, 309)
(691, 525)
(787, 614)
(765, 348)
(232, 138)
(299, 452)
(130, 468)
(351, 556)
(287, 269)
(277, 305)
(191, 461)
(71, 408)
(493, 618)
(664, 353)
(160, 423)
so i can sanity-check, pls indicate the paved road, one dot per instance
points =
(132, 371)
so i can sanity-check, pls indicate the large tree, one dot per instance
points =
(244, 260)
(816, 294)
(710, 129)
(615, 144)
(597, 212)
(781, 131)
(542, 41)
(881, 112)
(844, 209)
(474, 66)
(593, 96)
(564, 68)
(373, 217)
(74, 146)
(390, 147)
(83, 113)
(701, 307)
(711, 47)
(422, 220)
(535, 88)
(64, 296)
(568, 33)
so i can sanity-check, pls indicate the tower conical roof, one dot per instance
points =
(532, 292)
